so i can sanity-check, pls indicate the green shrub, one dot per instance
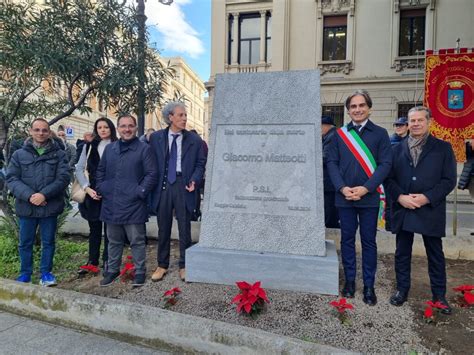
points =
(69, 254)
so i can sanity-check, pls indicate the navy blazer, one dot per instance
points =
(124, 179)
(345, 170)
(434, 176)
(193, 163)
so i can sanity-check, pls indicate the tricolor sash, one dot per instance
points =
(366, 160)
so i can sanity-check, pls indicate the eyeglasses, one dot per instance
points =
(399, 125)
(42, 130)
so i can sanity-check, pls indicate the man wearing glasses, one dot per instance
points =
(125, 176)
(37, 176)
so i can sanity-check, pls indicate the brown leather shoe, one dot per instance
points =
(182, 274)
(159, 274)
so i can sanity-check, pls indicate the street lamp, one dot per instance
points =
(141, 95)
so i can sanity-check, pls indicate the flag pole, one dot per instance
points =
(455, 202)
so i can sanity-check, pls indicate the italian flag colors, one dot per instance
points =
(366, 160)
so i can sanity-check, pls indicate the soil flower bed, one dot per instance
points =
(310, 317)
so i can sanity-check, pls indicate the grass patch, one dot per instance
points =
(68, 256)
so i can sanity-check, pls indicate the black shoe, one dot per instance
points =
(109, 277)
(369, 296)
(443, 301)
(349, 289)
(139, 280)
(398, 298)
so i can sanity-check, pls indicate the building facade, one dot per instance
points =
(185, 85)
(376, 45)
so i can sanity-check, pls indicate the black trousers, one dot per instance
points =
(331, 214)
(436, 262)
(173, 198)
(95, 239)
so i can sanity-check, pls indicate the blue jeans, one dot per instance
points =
(366, 219)
(28, 228)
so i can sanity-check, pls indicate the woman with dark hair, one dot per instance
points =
(104, 133)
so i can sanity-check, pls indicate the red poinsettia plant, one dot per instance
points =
(466, 299)
(128, 271)
(251, 299)
(341, 306)
(431, 310)
(170, 297)
(90, 268)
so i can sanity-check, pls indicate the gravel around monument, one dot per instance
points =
(383, 328)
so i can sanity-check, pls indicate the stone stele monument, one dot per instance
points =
(263, 210)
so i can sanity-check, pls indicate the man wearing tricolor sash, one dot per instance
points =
(423, 174)
(359, 160)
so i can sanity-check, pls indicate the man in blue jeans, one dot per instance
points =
(37, 176)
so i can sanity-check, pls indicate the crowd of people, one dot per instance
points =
(125, 178)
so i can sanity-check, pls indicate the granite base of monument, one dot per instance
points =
(315, 274)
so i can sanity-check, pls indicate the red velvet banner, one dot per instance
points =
(449, 93)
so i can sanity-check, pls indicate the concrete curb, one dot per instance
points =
(150, 326)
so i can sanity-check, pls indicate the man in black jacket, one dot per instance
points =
(37, 176)
(181, 163)
(331, 216)
(423, 174)
(125, 176)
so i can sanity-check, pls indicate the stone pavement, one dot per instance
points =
(20, 335)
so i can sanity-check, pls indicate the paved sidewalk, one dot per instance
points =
(20, 335)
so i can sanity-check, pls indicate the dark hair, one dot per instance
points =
(362, 93)
(113, 133)
(126, 115)
(41, 119)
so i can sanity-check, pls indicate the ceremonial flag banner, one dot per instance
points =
(449, 93)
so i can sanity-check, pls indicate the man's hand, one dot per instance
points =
(37, 199)
(190, 187)
(409, 202)
(349, 193)
(420, 199)
(359, 191)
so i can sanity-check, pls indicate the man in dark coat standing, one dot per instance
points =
(125, 176)
(423, 174)
(331, 216)
(359, 161)
(37, 176)
(181, 162)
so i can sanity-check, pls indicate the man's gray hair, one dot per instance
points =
(426, 110)
(169, 110)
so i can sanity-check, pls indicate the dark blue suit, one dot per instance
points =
(167, 197)
(435, 177)
(345, 170)
(331, 216)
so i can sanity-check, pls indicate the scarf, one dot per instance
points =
(416, 147)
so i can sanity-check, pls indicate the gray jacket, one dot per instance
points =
(29, 173)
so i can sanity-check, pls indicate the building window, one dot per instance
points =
(336, 112)
(412, 32)
(334, 37)
(230, 39)
(268, 37)
(403, 108)
(249, 39)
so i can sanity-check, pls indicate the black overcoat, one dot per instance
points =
(434, 176)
